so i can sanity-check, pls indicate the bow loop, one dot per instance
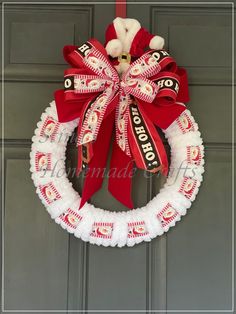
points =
(141, 88)
(150, 64)
(90, 84)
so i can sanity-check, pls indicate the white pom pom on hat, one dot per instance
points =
(157, 42)
(114, 47)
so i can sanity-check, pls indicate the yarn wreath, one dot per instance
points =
(111, 228)
(150, 90)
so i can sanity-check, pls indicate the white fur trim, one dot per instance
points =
(157, 42)
(114, 48)
(126, 29)
(174, 197)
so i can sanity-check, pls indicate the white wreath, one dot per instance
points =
(110, 228)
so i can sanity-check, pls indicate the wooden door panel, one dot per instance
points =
(36, 250)
(26, 102)
(116, 285)
(200, 251)
(36, 35)
(211, 107)
(200, 39)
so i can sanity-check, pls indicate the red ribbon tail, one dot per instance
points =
(183, 95)
(94, 175)
(120, 180)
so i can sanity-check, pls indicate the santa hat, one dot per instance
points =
(127, 36)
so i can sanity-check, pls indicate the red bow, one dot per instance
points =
(147, 94)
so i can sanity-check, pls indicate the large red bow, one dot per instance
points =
(149, 93)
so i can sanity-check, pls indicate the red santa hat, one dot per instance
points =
(127, 36)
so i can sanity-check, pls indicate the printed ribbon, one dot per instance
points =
(149, 93)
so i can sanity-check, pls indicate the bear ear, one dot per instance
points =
(114, 48)
(157, 42)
